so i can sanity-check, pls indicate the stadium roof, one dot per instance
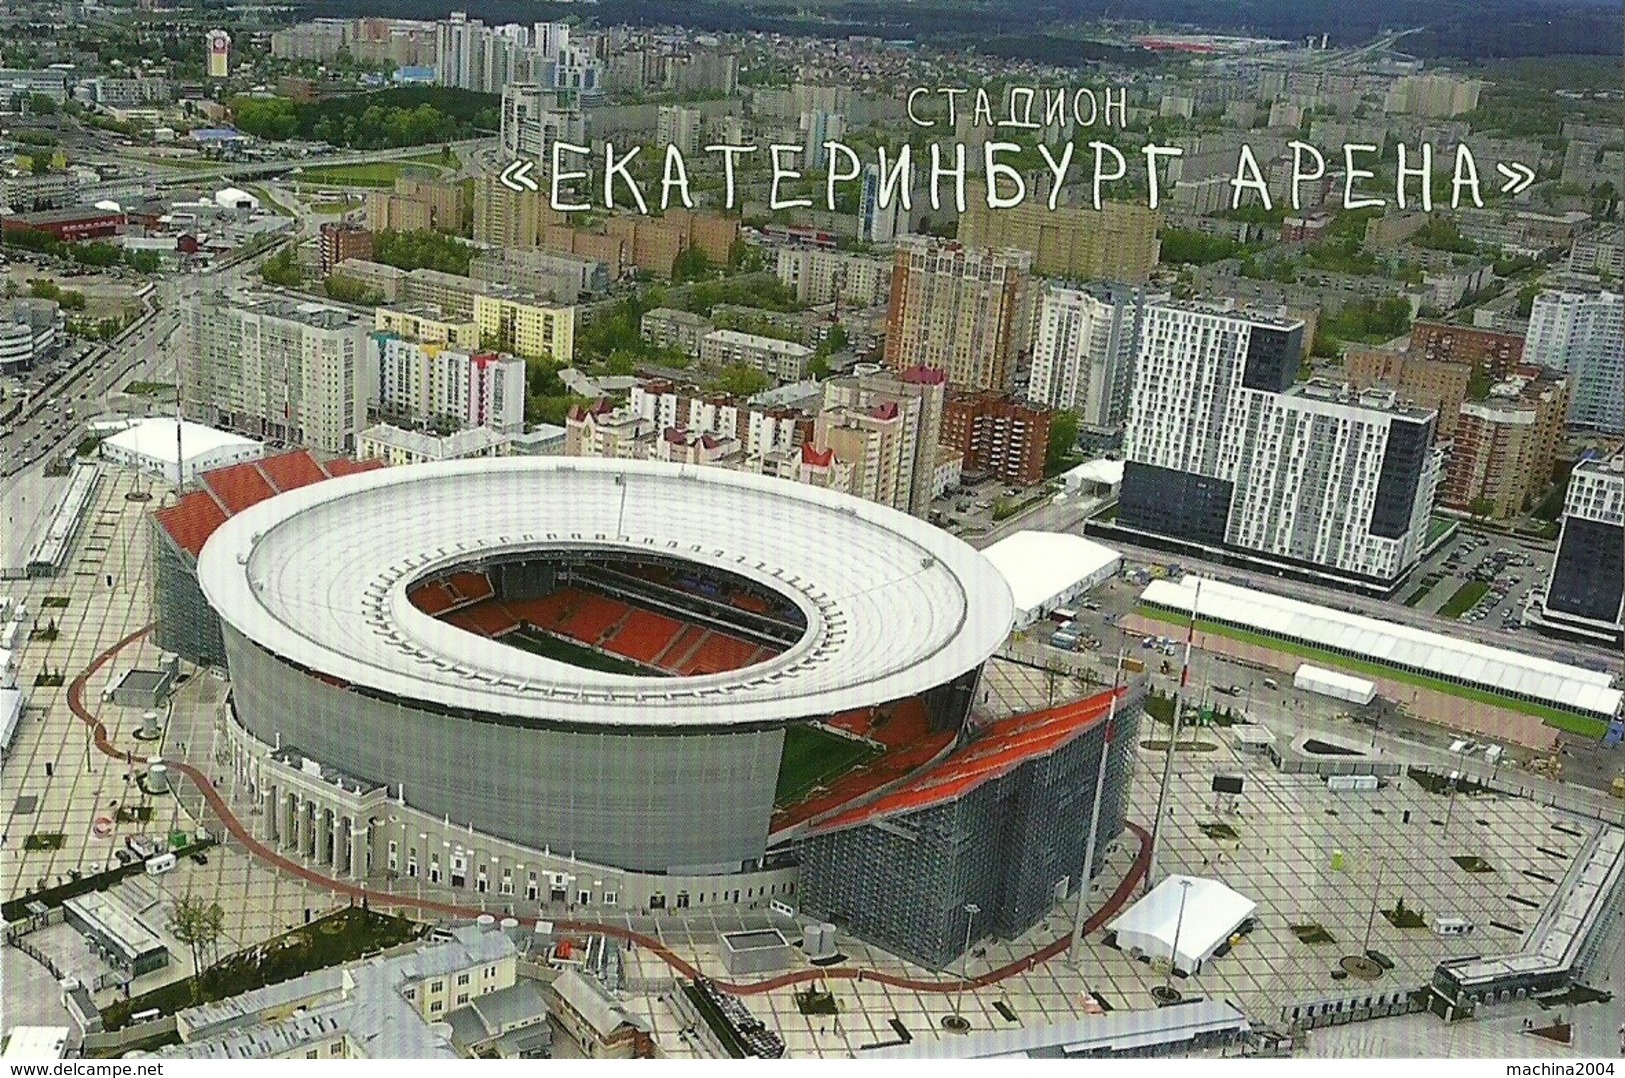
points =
(155, 439)
(1211, 912)
(319, 576)
(1042, 565)
(1447, 657)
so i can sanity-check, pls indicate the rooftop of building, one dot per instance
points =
(287, 308)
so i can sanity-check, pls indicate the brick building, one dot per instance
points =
(997, 434)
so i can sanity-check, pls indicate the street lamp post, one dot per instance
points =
(1179, 926)
(971, 910)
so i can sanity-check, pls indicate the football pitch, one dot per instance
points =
(814, 757)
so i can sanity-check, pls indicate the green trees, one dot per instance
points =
(349, 290)
(691, 264)
(198, 926)
(282, 269)
(1180, 247)
(1063, 438)
(422, 250)
(741, 381)
(402, 116)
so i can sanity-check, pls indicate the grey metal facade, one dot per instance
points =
(639, 800)
(185, 623)
(1011, 846)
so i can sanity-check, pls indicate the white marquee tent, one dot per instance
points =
(1046, 570)
(1372, 640)
(1212, 913)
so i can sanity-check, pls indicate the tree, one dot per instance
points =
(1063, 438)
(691, 264)
(741, 381)
(1481, 508)
(198, 926)
(282, 269)
(40, 164)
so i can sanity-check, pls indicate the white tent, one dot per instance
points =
(1211, 914)
(1339, 686)
(1046, 570)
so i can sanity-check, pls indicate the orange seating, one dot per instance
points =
(486, 619)
(593, 617)
(192, 520)
(433, 598)
(290, 471)
(239, 486)
(643, 635)
(471, 585)
(719, 652)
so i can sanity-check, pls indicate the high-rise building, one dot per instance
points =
(1496, 352)
(341, 241)
(877, 223)
(817, 128)
(219, 46)
(428, 383)
(996, 434)
(1225, 455)
(504, 217)
(916, 398)
(1117, 242)
(1433, 96)
(1504, 448)
(536, 116)
(1583, 334)
(1585, 596)
(1435, 384)
(957, 309)
(679, 126)
(1083, 354)
(275, 368)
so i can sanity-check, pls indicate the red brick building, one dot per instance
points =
(1497, 352)
(997, 434)
(70, 225)
(339, 242)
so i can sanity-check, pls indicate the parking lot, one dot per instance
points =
(1480, 579)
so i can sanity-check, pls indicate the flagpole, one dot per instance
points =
(1173, 737)
(1094, 817)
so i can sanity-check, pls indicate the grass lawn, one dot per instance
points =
(812, 757)
(1437, 526)
(1418, 595)
(565, 651)
(1466, 597)
(1562, 720)
(371, 174)
(150, 389)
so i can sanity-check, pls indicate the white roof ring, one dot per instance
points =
(318, 576)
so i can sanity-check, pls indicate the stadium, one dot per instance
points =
(654, 669)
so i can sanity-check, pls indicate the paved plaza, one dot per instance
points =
(1490, 859)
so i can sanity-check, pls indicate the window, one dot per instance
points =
(462, 978)
(437, 986)
(609, 898)
(410, 993)
(436, 1007)
(311, 1054)
(462, 998)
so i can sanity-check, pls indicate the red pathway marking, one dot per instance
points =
(1115, 902)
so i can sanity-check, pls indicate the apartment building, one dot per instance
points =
(1117, 242)
(339, 242)
(428, 325)
(1585, 595)
(507, 218)
(995, 433)
(918, 395)
(275, 369)
(1225, 454)
(390, 211)
(1497, 352)
(396, 445)
(669, 327)
(420, 382)
(563, 278)
(1436, 385)
(818, 276)
(1434, 96)
(526, 326)
(1504, 448)
(1583, 335)
(534, 117)
(1084, 350)
(957, 309)
(783, 360)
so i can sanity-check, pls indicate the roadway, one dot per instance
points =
(55, 414)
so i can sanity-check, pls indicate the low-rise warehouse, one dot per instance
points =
(1589, 693)
(1339, 686)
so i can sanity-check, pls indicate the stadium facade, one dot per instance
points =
(1001, 823)
(439, 674)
